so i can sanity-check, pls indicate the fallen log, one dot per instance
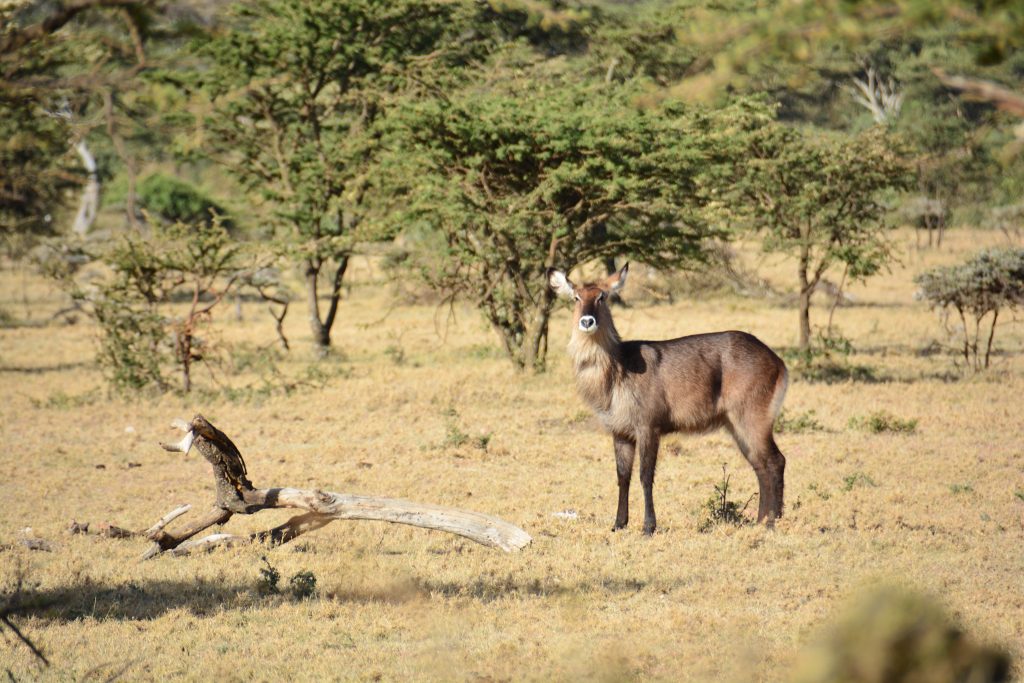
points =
(237, 495)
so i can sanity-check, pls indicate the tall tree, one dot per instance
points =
(297, 87)
(820, 199)
(530, 170)
(88, 76)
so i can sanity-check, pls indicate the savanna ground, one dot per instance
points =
(425, 408)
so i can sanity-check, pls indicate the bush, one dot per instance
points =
(175, 200)
(303, 585)
(984, 285)
(798, 424)
(894, 635)
(881, 421)
(268, 579)
(856, 479)
(140, 337)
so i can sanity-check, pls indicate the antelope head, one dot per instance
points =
(591, 313)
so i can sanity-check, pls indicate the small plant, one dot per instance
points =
(881, 421)
(396, 353)
(1020, 494)
(720, 510)
(856, 479)
(454, 436)
(63, 401)
(957, 489)
(832, 341)
(821, 492)
(268, 579)
(798, 424)
(302, 585)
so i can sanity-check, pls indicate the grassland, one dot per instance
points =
(423, 407)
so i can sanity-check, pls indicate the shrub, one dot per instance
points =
(891, 634)
(881, 421)
(268, 578)
(303, 585)
(175, 200)
(856, 479)
(983, 286)
(720, 510)
(140, 338)
(798, 424)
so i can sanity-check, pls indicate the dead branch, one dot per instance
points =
(63, 13)
(237, 495)
(985, 91)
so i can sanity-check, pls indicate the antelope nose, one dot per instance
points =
(588, 323)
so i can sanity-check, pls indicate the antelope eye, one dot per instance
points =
(577, 297)
(600, 297)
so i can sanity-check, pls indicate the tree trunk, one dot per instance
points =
(321, 334)
(806, 289)
(321, 327)
(90, 202)
(535, 353)
(991, 335)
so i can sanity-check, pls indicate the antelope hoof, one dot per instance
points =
(619, 525)
(649, 529)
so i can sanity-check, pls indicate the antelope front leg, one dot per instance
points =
(624, 451)
(647, 444)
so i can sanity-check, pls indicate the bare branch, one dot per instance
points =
(986, 91)
(64, 12)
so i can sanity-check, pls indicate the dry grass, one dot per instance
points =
(935, 509)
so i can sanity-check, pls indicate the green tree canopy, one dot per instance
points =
(526, 171)
(820, 199)
(297, 87)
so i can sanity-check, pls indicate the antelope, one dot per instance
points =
(641, 390)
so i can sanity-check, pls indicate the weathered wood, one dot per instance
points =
(164, 540)
(236, 495)
(167, 519)
(483, 529)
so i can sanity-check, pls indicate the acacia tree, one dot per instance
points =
(989, 282)
(88, 89)
(297, 87)
(45, 91)
(517, 175)
(819, 199)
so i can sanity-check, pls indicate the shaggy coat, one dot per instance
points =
(640, 390)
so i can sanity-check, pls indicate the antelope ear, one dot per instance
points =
(617, 281)
(560, 283)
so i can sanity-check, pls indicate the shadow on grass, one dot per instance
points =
(133, 600)
(42, 369)
(493, 588)
(151, 600)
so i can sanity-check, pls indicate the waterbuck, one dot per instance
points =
(641, 390)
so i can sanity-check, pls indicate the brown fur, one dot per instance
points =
(641, 390)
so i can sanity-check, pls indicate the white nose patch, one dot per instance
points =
(588, 324)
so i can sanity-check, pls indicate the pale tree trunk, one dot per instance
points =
(89, 204)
